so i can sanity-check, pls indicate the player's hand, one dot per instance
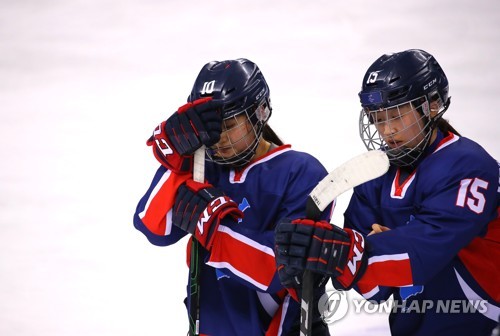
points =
(199, 208)
(320, 247)
(165, 153)
(377, 228)
(195, 124)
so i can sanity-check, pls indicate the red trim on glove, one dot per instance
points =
(197, 186)
(165, 152)
(321, 224)
(354, 259)
(187, 106)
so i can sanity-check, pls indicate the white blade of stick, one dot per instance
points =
(358, 170)
(199, 165)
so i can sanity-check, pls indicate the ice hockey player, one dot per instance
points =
(252, 181)
(428, 231)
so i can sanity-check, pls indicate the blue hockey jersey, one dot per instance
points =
(443, 245)
(240, 289)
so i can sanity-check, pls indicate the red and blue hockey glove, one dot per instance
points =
(320, 247)
(199, 209)
(166, 154)
(193, 125)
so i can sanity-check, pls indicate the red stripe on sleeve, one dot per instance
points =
(161, 203)
(391, 273)
(247, 257)
(481, 257)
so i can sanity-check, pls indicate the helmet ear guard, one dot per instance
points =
(263, 111)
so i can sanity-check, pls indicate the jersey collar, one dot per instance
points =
(239, 175)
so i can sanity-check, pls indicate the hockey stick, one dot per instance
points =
(199, 165)
(195, 263)
(358, 170)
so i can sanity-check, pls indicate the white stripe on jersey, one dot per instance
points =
(455, 138)
(492, 311)
(246, 240)
(247, 169)
(371, 293)
(286, 302)
(388, 257)
(267, 301)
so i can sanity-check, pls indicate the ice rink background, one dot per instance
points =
(83, 84)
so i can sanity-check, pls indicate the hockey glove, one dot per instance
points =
(199, 209)
(195, 124)
(320, 247)
(166, 154)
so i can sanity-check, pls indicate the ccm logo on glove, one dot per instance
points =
(357, 249)
(320, 247)
(199, 209)
(212, 207)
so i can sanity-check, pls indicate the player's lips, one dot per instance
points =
(394, 143)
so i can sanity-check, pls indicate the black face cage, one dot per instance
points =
(226, 151)
(406, 154)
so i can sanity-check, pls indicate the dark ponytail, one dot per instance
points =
(444, 126)
(269, 135)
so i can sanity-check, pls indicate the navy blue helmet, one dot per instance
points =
(242, 88)
(410, 86)
(401, 77)
(239, 83)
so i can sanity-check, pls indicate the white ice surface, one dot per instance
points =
(84, 82)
